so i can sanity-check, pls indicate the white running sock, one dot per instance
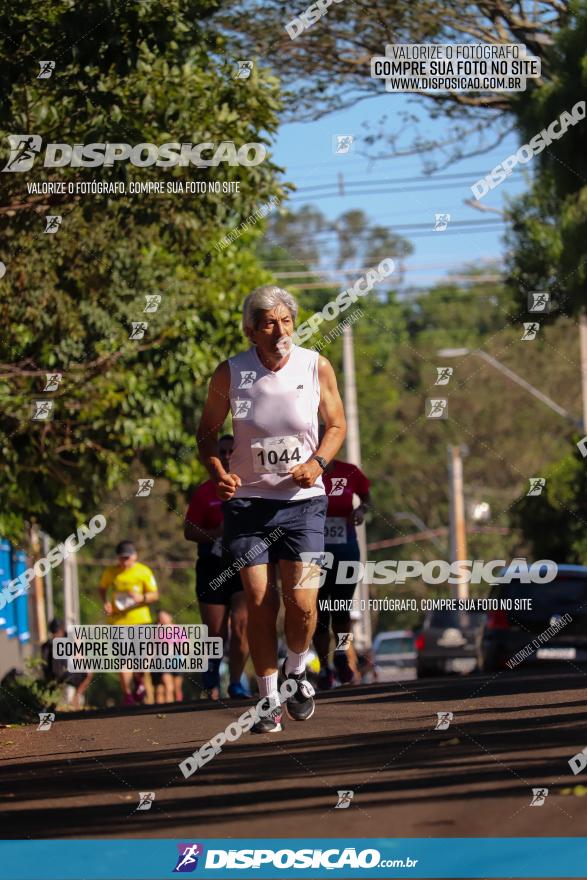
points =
(268, 686)
(296, 663)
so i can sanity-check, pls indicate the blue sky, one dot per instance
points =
(306, 152)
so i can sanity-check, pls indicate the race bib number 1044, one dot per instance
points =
(276, 455)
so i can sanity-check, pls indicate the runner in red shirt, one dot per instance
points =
(204, 525)
(342, 482)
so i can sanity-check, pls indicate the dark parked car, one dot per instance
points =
(447, 642)
(526, 635)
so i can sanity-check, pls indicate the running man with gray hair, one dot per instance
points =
(274, 500)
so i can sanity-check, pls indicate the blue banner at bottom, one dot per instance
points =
(530, 857)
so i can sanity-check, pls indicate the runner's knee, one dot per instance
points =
(261, 604)
(239, 623)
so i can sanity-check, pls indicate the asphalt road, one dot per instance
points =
(509, 733)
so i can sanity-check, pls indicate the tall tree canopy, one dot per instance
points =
(548, 237)
(134, 73)
(328, 65)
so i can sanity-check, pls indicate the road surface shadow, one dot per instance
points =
(404, 762)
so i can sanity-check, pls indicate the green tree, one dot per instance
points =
(554, 523)
(549, 223)
(328, 66)
(137, 73)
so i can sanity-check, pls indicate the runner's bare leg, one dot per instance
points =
(300, 605)
(239, 645)
(262, 599)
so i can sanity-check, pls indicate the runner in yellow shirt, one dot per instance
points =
(127, 591)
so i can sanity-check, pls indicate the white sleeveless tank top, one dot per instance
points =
(275, 423)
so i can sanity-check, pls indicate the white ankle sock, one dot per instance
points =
(268, 685)
(296, 663)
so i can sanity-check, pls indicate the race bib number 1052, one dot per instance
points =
(276, 455)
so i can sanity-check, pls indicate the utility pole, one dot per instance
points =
(70, 592)
(353, 448)
(46, 544)
(39, 592)
(458, 527)
(583, 341)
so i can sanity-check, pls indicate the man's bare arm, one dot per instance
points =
(214, 415)
(331, 410)
(216, 409)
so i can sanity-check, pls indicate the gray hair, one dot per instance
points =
(264, 298)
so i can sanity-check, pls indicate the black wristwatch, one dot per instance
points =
(321, 461)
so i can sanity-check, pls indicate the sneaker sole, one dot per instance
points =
(293, 718)
(278, 729)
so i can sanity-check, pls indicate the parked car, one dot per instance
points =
(393, 656)
(514, 635)
(447, 642)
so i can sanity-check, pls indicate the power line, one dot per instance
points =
(311, 273)
(489, 261)
(420, 178)
(450, 279)
(407, 227)
(377, 192)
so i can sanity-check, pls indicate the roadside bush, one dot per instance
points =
(23, 695)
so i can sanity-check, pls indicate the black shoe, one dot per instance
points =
(300, 706)
(343, 668)
(270, 721)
